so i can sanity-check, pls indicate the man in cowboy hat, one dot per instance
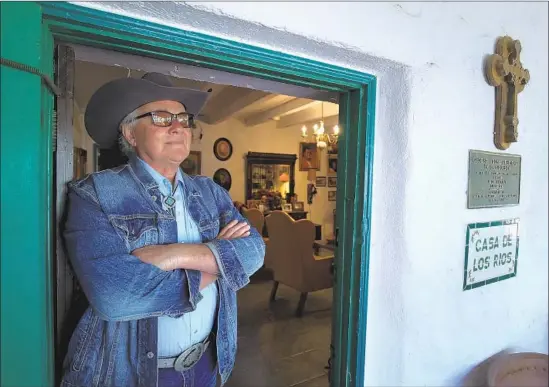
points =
(159, 254)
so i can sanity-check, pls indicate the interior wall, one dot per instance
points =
(433, 106)
(81, 138)
(269, 139)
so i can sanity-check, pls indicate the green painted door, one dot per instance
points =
(26, 330)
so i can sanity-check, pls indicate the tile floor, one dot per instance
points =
(277, 349)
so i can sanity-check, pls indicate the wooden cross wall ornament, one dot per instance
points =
(505, 72)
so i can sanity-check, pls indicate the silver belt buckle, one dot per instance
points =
(189, 357)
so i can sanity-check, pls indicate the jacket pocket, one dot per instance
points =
(85, 331)
(136, 230)
(209, 228)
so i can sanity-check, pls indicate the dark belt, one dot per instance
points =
(188, 358)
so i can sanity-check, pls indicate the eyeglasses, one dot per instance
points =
(165, 119)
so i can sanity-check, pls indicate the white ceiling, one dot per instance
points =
(251, 106)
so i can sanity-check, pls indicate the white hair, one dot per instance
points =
(127, 123)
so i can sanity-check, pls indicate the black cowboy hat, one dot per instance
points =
(116, 99)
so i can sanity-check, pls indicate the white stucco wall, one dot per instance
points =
(433, 106)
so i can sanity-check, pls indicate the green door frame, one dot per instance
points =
(63, 22)
(26, 199)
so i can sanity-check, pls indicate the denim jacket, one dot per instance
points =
(110, 214)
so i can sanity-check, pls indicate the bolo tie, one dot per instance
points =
(169, 201)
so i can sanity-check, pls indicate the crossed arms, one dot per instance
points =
(153, 281)
(191, 256)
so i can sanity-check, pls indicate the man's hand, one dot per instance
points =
(234, 230)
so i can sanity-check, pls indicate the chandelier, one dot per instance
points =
(319, 134)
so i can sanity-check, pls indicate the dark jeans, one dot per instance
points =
(203, 374)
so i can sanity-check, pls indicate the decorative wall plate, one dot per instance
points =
(223, 178)
(223, 149)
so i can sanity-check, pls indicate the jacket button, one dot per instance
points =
(150, 355)
(153, 198)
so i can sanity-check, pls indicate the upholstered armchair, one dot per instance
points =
(292, 257)
(255, 217)
(257, 220)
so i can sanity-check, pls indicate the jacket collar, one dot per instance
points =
(150, 184)
(143, 176)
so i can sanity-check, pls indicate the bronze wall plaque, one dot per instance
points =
(494, 179)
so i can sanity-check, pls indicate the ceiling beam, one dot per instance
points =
(230, 101)
(314, 112)
(329, 121)
(292, 105)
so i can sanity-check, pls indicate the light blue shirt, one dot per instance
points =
(177, 334)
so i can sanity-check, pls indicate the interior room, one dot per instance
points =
(276, 155)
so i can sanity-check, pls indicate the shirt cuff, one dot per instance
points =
(217, 256)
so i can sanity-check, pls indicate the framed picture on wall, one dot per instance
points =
(332, 196)
(332, 149)
(79, 159)
(321, 181)
(332, 165)
(308, 156)
(332, 182)
(299, 206)
(192, 165)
